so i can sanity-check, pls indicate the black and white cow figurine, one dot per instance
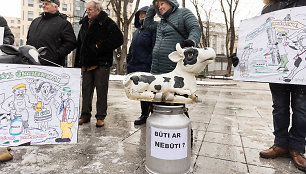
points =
(178, 86)
(23, 55)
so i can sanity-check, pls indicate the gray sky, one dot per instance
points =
(246, 8)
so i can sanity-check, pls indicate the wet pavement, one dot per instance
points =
(231, 125)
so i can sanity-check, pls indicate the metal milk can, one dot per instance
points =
(168, 143)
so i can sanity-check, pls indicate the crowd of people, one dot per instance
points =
(152, 42)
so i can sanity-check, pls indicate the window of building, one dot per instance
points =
(18, 21)
(12, 21)
(31, 3)
(30, 15)
(64, 7)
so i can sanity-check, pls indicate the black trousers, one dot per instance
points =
(146, 108)
(97, 78)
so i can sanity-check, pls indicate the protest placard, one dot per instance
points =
(272, 47)
(38, 104)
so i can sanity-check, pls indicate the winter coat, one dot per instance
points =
(282, 4)
(8, 37)
(97, 42)
(54, 32)
(139, 57)
(167, 37)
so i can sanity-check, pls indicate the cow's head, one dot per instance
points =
(26, 54)
(192, 60)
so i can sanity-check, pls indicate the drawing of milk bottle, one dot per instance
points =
(16, 125)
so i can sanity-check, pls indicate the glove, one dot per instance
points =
(187, 43)
(235, 59)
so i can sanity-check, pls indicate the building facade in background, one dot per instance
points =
(217, 42)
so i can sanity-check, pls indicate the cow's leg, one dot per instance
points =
(158, 96)
(146, 96)
(181, 99)
(182, 91)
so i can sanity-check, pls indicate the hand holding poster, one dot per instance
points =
(272, 47)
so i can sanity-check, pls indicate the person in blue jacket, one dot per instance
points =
(139, 58)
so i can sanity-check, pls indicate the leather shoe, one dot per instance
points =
(82, 120)
(274, 152)
(100, 123)
(299, 160)
(141, 120)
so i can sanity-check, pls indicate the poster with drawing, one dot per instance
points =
(272, 47)
(38, 104)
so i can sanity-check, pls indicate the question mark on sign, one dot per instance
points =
(183, 144)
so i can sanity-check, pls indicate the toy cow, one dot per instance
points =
(24, 55)
(178, 86)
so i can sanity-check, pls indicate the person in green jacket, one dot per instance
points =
(188, 34)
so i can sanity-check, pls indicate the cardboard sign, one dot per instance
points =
(169, 144)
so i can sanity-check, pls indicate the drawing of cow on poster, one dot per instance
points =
(272, 47)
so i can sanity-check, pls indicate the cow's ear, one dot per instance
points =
(42, 51)
(175, 56)
(9, 49)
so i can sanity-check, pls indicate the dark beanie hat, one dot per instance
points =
(54, 1)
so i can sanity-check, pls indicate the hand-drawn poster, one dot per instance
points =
(272, 47)
(38, 104)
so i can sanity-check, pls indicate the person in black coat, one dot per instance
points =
(99, 36)
(287, 141)
(139, 58)
(8, 37)
(52, 30)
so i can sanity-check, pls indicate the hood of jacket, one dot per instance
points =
(102, 16)
(173, 3)
(136, 19)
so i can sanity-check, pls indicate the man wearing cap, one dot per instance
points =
(52, 30)
(17, 105)
(99, 36)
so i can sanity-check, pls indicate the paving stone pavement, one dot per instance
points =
(231, 124)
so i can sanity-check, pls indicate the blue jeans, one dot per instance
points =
(282, 94)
